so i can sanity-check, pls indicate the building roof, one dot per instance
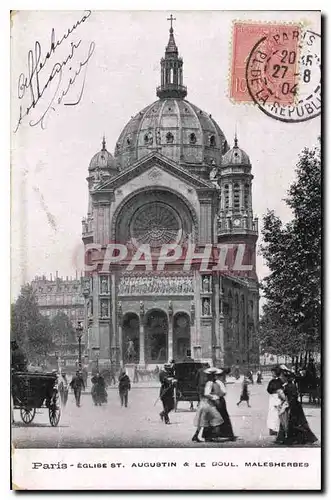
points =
(236, 156)
(102, 159)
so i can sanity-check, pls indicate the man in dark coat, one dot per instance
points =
(77, 384)
(167, 392)
(124, 386)
(18, 360)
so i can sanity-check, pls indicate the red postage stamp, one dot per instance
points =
(275, 47)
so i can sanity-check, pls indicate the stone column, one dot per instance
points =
(120, 340)
(170, 332)
(141, 335)
(141, 342)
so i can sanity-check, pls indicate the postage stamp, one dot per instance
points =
(277, 67)
(278, 39)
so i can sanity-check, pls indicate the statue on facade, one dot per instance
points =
(104, 309)
(130, 352)
(104, 284)
(206, 284)
(170, 308)
(206, 307)
(119, 309)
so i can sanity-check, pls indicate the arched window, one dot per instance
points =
(246, 196)
(226, 196)
(169, 138)
(212, 141)
(193, 138)
(236, 196)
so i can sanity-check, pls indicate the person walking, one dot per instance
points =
(98, 392)
(259, 377)
(294, 428)
(77, 384)
(207, 418)
(167, 391)
(226, 429)
(244, 396)
(135, 375)
(112, 376)
(63, 389)
(274, 386)
(124, 386)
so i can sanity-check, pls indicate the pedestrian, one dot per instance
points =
(244, 396)
(77, 384)
(207, 418)
(124, 386)
(63, 389)
(274, 386)
(112, 377)
(259, 377)
(226, 429)
(167, 391)
(294, 428)
(98, 391)
(135, 375)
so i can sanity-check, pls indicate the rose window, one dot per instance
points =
(156, 224)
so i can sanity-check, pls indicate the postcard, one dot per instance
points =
(166, 250)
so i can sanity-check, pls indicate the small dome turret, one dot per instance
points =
(236, 156)
(103, 160)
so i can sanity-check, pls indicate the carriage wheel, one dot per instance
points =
(27, 414)
(54, 410)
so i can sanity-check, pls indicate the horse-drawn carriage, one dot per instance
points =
(309, 385)
(187, 385)
(36, 390)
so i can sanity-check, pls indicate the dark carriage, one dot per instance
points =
(309, 386)
(36, 390)
(187, 385)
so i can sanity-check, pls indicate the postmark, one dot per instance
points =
(245, 36)
(283, 75)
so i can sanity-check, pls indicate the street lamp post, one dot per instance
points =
(79, 332)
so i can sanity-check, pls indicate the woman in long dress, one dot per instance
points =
(207, 419)
(294, 428)
(273, 387)
(225, 430)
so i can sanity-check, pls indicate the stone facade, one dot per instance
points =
(173, 179)
(60, 295)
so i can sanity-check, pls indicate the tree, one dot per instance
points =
(29, 328)
(293, 254)
(62, 330)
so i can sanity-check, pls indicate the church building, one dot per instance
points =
(173, 179)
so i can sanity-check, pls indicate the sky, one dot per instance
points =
(49, 165)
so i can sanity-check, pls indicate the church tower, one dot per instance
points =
(236, 223)
(239, 294)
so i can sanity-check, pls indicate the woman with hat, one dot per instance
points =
(294, 428)
(274, 386)
(207, 418)
(226, 430)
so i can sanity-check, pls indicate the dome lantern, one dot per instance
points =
(171, 70)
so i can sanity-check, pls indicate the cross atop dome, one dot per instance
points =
(171, 18)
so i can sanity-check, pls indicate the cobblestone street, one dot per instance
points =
(139, 425)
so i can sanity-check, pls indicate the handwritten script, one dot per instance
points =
(47, 83)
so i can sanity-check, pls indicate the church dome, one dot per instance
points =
(102, 160)
(172, 125)
(236, 156)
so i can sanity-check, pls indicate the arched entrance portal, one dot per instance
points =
(130, 338)
(156, 336)
(181, 336)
